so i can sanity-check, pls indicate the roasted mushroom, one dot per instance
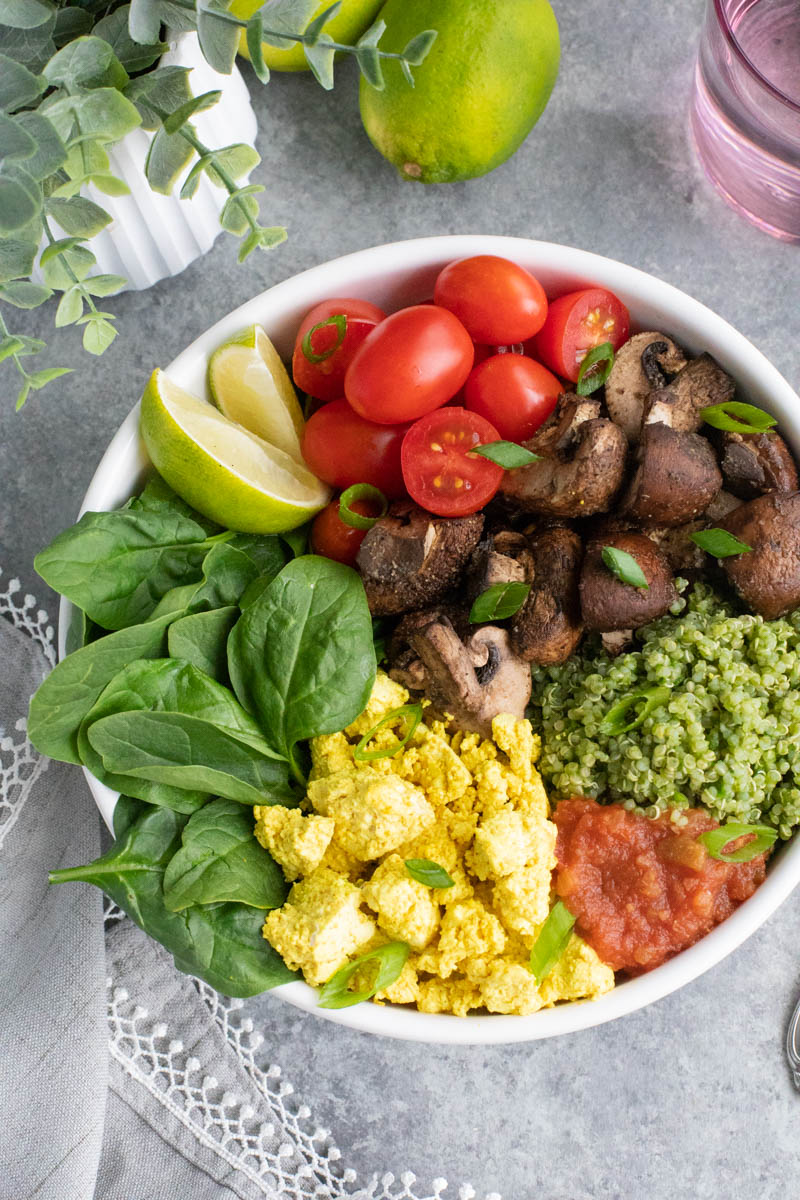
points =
(643, 363)
(548, 627)
(475, 680)
(680, 404)
(581, 465)
(754, 463)
(767, 577)
(676, 544)
(609, 604)
(410, 558)
(676, 479)
(489, 566)
(405, 665)
(722, 504)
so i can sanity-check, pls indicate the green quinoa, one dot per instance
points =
(728, 737)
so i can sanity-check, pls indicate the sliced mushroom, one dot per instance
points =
(405, 665)
(644, 362)
(476, 680)
(581, 465)
(754, 463)
(548, 627)
(767, 577)
(680, 404)
(676, 479)
(489, 566)
(609, 604)
(410, 558)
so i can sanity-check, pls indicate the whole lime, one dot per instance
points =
(352, 19)
(476, 96)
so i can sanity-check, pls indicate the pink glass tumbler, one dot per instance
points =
(745, 114)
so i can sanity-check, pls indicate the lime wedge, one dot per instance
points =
(220, 468)
(249, 383)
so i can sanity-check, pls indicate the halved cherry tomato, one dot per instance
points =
(513, 392)
(331, 537)
(575, 324)
(411, 363)
(342, 448)
(324, 379)
(496, 300)
(439, 474)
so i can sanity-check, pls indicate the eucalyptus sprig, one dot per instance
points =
(74, 80)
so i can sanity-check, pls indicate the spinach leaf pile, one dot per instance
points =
(214, 656)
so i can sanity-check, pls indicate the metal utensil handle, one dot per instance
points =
(792, 1045)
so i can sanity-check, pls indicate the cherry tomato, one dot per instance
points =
(515, 393)
(576, 323)
(439, 476)
(342, 448)
(325, 379)
(482, 351)
(331, 537)
(497, 301)
(411, 363)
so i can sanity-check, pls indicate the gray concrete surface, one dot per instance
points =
(690, 1097)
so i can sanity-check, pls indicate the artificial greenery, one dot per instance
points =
(77, 77)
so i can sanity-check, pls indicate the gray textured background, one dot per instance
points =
(690, 1097)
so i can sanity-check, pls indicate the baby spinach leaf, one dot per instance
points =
(228, 569)
(301, 656)
(297, 539)
(220, 859)
(221, 943)
(127, 810)
(176, 601)
(188, 752)
(116, 566)
(69, 691)
(158, 496)
(202, 639)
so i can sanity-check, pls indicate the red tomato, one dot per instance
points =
(325, 380)
(497, 301)
(439, 476)
(575, 324)
(342, 448)
(482, 352)
(515, 393)
(411, 363)
(332, 538)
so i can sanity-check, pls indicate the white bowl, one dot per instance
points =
(403, 273)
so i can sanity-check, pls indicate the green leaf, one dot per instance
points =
(23, 294)
(506, 454)
(221, 943)
(219, 39)
(77, 259)
(499, 601)
(30, 48)
(133, 55)
(233, 217)
(50, 152)
(389, 959)
(20, 199)
(25, 14)
(168, 155)
(369, 63)
(98, 336)
(301, 656)
(22, 394)
(77, 215)
(287, 16)
(551, 942)
(29, 345)
(103, 114)
(192, 180)
(262, 239)
(220, 859)
(71, 23)
(10, 345)
(104, 285)
(16, 258)
(110, 185)
(159, 92)
(429, 873)
(624, 566)
(144, 21)
(202, 639)
(186, 111)
(418, 48)
(719, 543)
(595, 369)
(15, 142)
(255, 48)
(313, 30)
(320, 59)
(18, 85)
(85, 159)
(237, 160)
(39, 379)
(86, 62)
(57, 248)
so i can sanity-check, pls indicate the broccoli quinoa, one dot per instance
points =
(728, 736)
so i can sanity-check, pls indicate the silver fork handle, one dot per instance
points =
(793, 1045)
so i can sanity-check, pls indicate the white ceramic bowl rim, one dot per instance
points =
(402, 273)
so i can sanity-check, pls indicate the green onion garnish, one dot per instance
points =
(410, 712)
(361, 491)
(429, 873)
(499, 601)
(737, 417)
(715, 841)
(595, 369)
(719, 543)
(615, 721)
(624, 566)
(551, 942)
(506, 454)
(340, 321)
(390, 959)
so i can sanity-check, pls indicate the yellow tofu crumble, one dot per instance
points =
(475, 807)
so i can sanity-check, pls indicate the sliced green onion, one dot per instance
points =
(340, 321)
(715, 841)
(411, 712)
(361, 491)
(624, 566)
(506, 454)
(499, 601)
(595, 369)
(429, 873)
(390, 959)
(719, 543)
(737, 417)
(615, 721)
(551, 942)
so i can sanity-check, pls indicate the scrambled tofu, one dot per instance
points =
(476, 808)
